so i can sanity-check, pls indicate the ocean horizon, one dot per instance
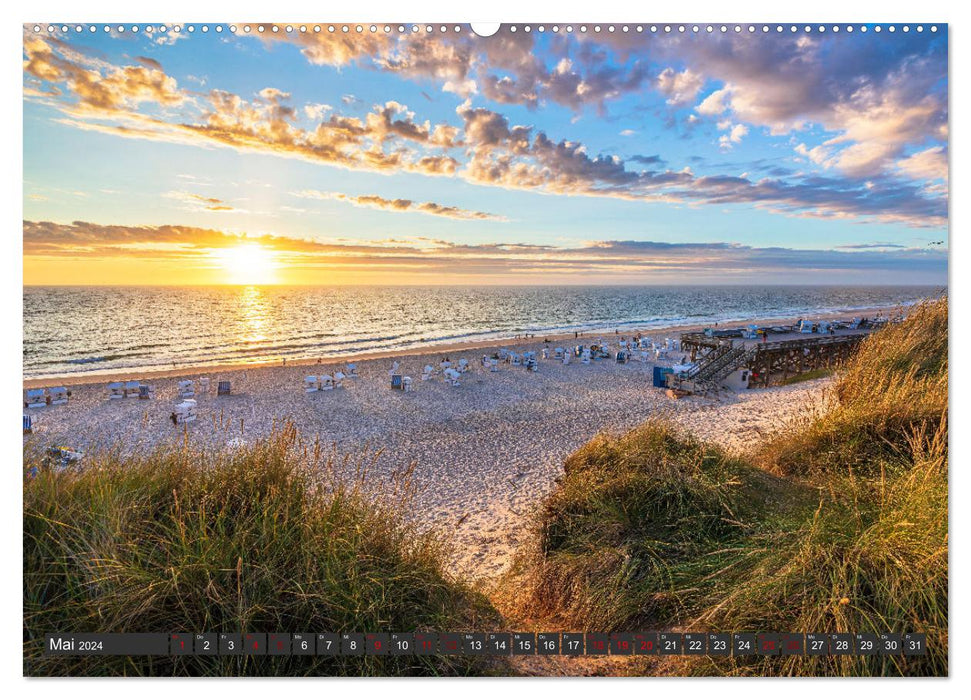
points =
(80, 330)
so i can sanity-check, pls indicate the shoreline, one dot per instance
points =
(80, 379)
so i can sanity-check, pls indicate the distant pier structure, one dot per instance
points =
(773, 363)
(770, 362)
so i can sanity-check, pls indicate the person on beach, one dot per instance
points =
(174, 418)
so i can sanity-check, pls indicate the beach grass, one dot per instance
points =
(838, 525)
(263, 539)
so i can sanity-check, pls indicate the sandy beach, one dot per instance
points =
(485, 452)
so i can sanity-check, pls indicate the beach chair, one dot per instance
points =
(503, 354)
(643, 356)
(339, 379)
(396, 381)
(185, 412)
(146, 391)
(394, 367)
(546, 353)
(351, 370)
(854, 324)
(805, 326)
(35, 398)
(585, 356)
(566, 358)
(58, 395)
(451, 377)
(28, 423)
(621, 357)
(407, 384)
(326, 382)
(131, 389)
(116, 390)
(823, 327)
(223, 388)
(558, 353)
(444, 365)
(426, 373)
(494, 364)
(204, 385)
(187, 389)
(463, 365)
(515, 360)
(310, 384)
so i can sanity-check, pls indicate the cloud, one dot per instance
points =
(680, 88)
(507, 67)
(929, 164)
(875, 98)
(486, 149)
(195, 202)
(401, 205)
(735, 135)
(616, 258)
(98, 88)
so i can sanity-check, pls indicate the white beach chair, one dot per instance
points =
(558, 353)
(407, 384)
(426, 373)
(326, 382)
(58, 395)
(310, 384)
(351, 371)
(503, 354)
(116, 390)
(585, 356)
(643, 356)
(35, 398)
(444, 365)
(131, 389)
(451, 376)
(463, 365)
(187, 389)
(493, 364)
(185, 412)
(566, 358)
(339, 379)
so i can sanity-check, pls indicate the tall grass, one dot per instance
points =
(263, 540)
(839, 525)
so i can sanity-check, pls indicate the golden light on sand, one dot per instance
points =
(247, 263)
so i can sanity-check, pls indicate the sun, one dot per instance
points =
(247, 263)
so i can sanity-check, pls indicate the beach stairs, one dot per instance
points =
(711, 369)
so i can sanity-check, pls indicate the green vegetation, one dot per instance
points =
(806, 376)
(263, 540)
(839, 525)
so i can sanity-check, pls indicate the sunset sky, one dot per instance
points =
(309, 157)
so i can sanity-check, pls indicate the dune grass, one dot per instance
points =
(838, 525)
(263, 540)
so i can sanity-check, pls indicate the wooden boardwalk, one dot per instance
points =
(773, 363)
(776, 361)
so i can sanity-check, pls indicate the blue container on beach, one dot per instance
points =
(660, 374)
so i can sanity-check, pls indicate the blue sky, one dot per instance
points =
(534, 157)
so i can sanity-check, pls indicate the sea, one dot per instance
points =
(87, 330)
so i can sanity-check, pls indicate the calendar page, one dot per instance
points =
(446, 349)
